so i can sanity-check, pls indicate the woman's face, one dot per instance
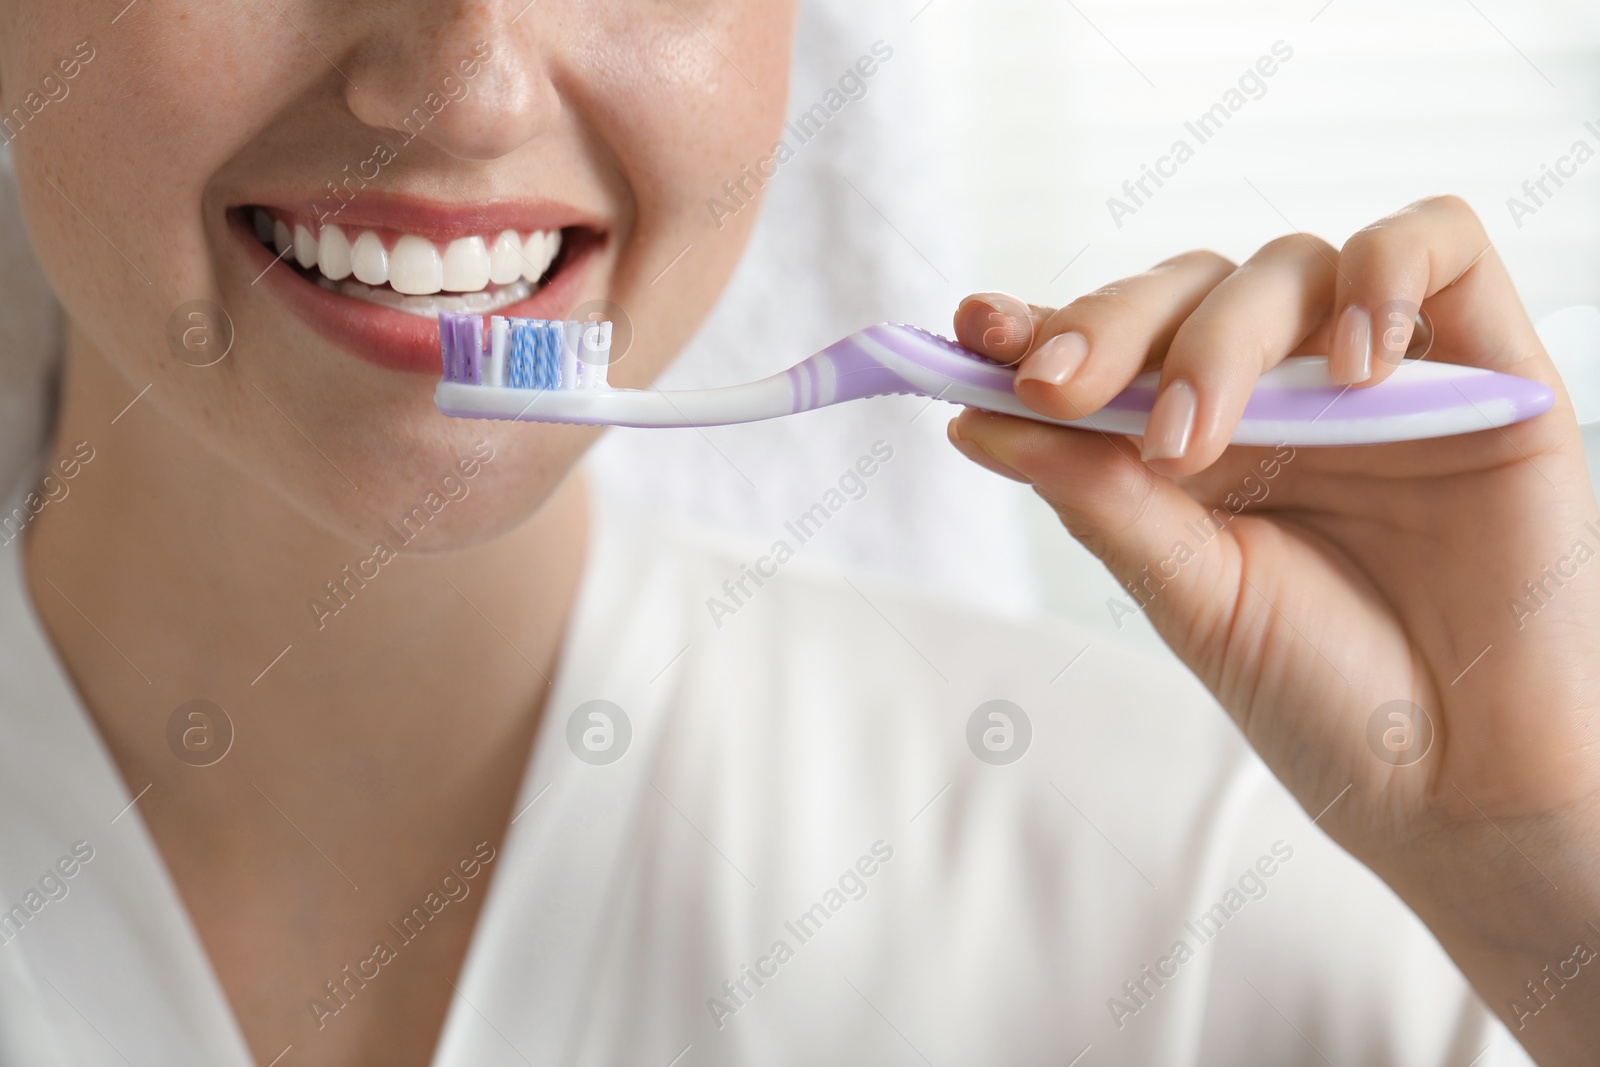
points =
(543, 158)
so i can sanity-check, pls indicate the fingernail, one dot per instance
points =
(1057, 360)
(1393, 340)
(976, 454)
(1171, 423)
(1350, 354)
(1004, 322)
(1005, 303)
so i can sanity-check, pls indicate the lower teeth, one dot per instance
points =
(429, 306)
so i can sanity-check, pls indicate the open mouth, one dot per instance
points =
(408, 272)
(360, 269)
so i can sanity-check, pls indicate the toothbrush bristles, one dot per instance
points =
(537, 354)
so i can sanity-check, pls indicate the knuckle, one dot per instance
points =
(1460, 215)
(1103, 511)
(1294, 246)
(1377, 242)
(1201, 260)
(1108, 302)
(1448, 204)
(1137, 496)
(1402, 230)
(1081, 530)
(1212, 341)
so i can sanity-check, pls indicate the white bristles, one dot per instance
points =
(495, 372)
(604, 351)
(596, 355)
(571, 339)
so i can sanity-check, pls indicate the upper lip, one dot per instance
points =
(434, 219)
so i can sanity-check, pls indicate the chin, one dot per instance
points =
(441, 489)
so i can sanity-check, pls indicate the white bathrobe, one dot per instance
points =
(798, 834)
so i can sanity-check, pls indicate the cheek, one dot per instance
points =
(112, 177)
(697, 118)
(679, 121)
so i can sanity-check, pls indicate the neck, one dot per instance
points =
(166, 575)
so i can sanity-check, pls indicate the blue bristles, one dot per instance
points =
(548, 374)
(520, 359)
(535, 358)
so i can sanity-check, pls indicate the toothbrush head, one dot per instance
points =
(534, 354)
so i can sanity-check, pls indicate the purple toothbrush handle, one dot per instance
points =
(1293, 402)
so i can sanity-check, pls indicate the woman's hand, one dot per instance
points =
(1323, 594)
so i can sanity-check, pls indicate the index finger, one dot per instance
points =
(998, 325)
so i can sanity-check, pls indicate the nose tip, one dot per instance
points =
(466, 96)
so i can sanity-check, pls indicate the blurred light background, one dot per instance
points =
(1061, 102)
(983, 156)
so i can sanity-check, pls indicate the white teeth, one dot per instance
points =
(368, 260)
(333, 253)
(505, 259)
(488, 273)
(466, 265)
(537, 253)
(414, 266)
(514, 293)
(428, 307)
(305, 247)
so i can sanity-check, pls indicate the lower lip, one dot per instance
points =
(396, 340)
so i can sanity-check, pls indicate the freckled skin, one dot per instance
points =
(395, 732)
(626, 113)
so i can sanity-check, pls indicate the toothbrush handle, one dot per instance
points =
(832, 376)
(1294, 403)
(768, 398)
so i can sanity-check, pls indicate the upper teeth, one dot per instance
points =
(414, 265)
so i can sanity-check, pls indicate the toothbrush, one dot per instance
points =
(551, 371)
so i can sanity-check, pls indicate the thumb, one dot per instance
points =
(1174, 562)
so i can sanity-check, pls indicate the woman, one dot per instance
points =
(280, 640)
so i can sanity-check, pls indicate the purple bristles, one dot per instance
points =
(450, 341)
(461, 347)
(472, 351)
(458, 349)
